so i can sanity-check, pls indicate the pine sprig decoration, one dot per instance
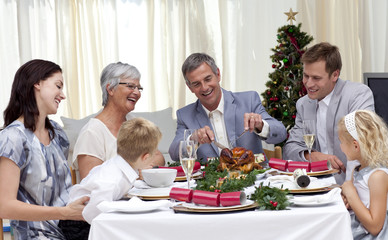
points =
(286, 86)
(270, 198)
(209, 182)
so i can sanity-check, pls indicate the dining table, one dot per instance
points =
(327, 221)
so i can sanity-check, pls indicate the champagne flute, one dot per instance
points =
(309, 131)
(191, 135)
(187, 156)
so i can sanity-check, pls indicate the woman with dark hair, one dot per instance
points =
(34, 175)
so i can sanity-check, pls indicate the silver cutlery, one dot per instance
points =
(219, 145)
(235, 140)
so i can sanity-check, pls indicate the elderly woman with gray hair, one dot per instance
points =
(96, 143)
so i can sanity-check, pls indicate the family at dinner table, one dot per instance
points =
(36, 192)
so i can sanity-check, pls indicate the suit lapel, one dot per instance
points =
(332, 112)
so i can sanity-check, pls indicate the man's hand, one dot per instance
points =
(205, 135)
(335, 162)
(252, 121)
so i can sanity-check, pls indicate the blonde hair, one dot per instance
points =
(136, 137)
(372, 137)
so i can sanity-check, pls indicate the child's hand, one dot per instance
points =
(348, 189)
(345, 200)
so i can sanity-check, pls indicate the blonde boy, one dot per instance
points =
(137, 141)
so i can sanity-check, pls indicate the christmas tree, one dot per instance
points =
(286, 86)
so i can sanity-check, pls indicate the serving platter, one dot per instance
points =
(317, 173)
(192, 208)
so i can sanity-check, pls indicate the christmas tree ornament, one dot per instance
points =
(285, 113)
(285, 60)
(273, 66)
(291, 16)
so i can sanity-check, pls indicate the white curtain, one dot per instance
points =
(83, 36)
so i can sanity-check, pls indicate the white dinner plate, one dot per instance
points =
(212, 208)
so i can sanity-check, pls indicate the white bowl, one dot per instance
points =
(159, 177)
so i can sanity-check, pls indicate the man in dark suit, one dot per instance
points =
(220, 115)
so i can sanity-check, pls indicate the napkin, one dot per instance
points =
(327, 197)
(133, 205)
(285, 181)
(140, 184)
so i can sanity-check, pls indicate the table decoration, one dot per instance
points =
(232, 199)
(279, 164)
(206, 198)
(181, 194)
(270, 198)
(231, 184)
(292, 165)
(323, 165)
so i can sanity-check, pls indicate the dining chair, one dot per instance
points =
(1, 229)
(276, 153)
(73, 177)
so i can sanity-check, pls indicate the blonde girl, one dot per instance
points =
(364, 137)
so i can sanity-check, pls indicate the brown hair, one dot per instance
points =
(326, 52)
(372, 136)
(136, 137)
(23, 101)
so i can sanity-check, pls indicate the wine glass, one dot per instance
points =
(309, 131)
(187, 156)
(191, 135)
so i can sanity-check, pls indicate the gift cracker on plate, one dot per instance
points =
(207, 198)
(290, 166)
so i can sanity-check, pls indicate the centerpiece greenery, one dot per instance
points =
(268, 198)
(229, 184)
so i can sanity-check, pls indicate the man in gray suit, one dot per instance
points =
(328, 99)
(221, 115)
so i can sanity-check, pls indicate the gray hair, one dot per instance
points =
(193, 61)
(112, 74)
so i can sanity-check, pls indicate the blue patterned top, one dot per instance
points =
(44, 175)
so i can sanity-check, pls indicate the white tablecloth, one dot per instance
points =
(325, 222)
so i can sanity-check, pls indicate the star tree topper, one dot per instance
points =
(291, 15)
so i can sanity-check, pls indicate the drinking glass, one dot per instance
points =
(309, 132)
(187, 156)
(191, 135)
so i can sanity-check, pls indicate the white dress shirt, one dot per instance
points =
(321, 122)
(218, 123)
(109, 181)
